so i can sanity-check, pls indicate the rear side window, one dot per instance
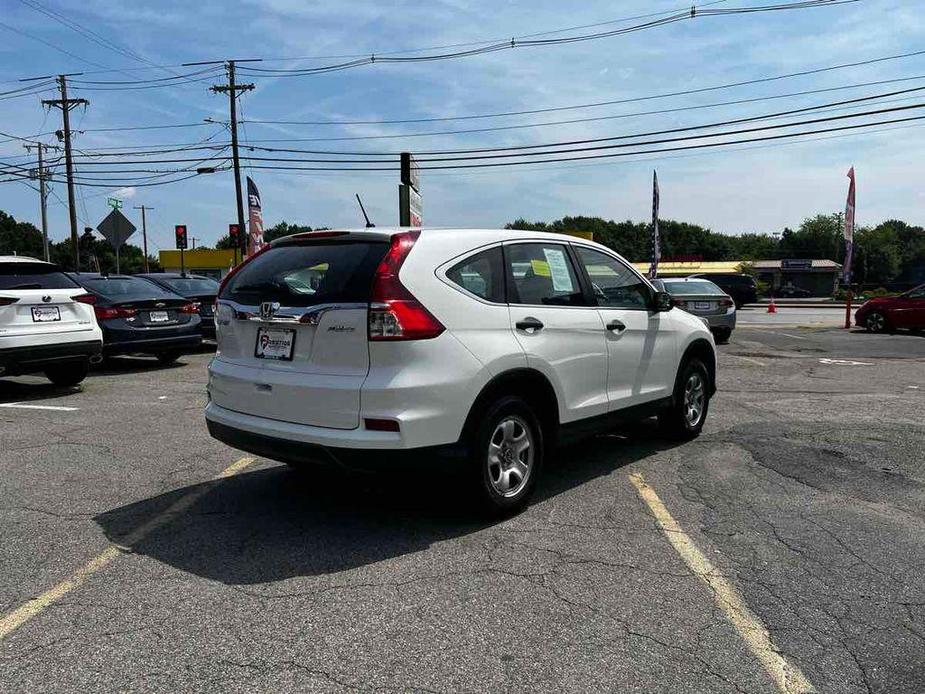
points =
(308, 274)
(542, 274)
(33, 276)
(481, 274)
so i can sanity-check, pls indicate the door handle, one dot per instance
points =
(616, 326)
(529, 324)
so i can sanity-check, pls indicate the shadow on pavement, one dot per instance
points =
(275, 523)
(31, 389)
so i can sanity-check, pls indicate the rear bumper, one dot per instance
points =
(296, 452)
(24, 360)
(187, 342)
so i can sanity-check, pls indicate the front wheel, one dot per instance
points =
(506, 453)
(876, 322)
(67, 375)
(685, 417)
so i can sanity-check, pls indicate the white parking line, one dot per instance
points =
(748, 359)
(787, 677)
(51, 408)
(795, 337)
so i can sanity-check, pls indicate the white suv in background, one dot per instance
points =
(489, 347)
(46, 322)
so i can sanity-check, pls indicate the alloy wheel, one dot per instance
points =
(510, 456)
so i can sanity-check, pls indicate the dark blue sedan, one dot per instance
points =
(139, 317)
(197, 288)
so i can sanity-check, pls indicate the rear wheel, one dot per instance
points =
(722, 335)
(876, 322)
(167, 358)
(684, 419)
(506, 456)
(67, 375)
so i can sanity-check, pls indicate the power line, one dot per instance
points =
(526, 42)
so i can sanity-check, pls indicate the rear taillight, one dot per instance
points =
(85, 298)
(394, 313)
(7, 300)
(726, 302)
(107, 313)
(190, 308)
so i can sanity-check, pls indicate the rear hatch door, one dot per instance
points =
(292, 331)
(37, 299)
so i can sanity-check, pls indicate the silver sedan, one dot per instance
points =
(704, 299)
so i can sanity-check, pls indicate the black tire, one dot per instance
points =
(722, 335)
(507, 424)
(876, 322)
(68, 375)
(678, 421)
(167, 358)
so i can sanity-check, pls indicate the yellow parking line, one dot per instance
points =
(15, 619)
(787, 677)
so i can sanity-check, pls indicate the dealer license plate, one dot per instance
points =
(703, 305)
(158, 317)
(275, 343)
(45, 314)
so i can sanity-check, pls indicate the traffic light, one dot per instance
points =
(234, 233)
(180, 230)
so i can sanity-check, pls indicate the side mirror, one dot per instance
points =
(662, 301)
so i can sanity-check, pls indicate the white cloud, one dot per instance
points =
(128, 192)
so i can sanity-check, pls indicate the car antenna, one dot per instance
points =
(369, 224)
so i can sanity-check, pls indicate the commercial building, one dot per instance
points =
(200, 261)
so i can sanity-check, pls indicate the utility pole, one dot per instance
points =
(66, 105)
(232, 89)
(42, 175)
(144, 233)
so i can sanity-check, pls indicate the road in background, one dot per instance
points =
(787, 315)
(806, 492)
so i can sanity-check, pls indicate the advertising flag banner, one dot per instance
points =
(656, 242)
(254, 218)
(849, 227)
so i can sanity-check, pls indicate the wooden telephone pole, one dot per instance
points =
(66, 105)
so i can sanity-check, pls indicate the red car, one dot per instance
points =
(892, 312)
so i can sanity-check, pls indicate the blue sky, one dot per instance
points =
(732, 190)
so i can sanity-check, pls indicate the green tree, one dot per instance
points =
(19, 238)
(877, 255)
(817, 237)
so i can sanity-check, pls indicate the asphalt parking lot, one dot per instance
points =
(780, 551)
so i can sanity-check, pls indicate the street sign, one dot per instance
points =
(114, 203)
(410, 206)
(116, 228)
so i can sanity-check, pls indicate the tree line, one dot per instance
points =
(890, 252)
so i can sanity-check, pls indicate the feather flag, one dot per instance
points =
(849, 227)
(656, 242)
(254, 218)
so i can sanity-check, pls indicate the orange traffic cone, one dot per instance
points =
(771, 307)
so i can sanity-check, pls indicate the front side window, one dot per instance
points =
(541, 274)
(613, 283)
(481, 274)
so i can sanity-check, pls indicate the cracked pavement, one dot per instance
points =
(806, 489)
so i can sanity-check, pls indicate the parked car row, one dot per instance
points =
(58, 323)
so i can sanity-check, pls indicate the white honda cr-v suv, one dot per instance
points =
(487, 347)
(46, 322)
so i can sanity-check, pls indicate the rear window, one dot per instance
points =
(33, 276)
(691, 288)
(125, 288)
(190, 285)
(308, 274)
